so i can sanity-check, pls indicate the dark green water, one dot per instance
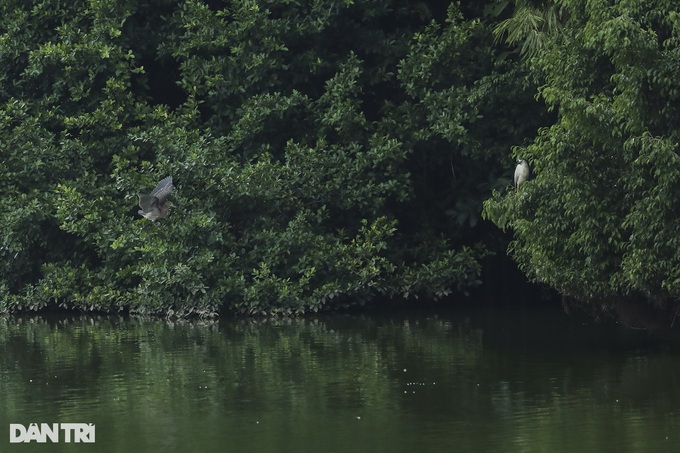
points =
(477, 380)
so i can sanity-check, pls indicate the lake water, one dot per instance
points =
(484, 379)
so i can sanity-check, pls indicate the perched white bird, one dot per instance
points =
(521, 173)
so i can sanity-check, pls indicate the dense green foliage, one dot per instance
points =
(324, 153)
(332, 153)
(600, 218)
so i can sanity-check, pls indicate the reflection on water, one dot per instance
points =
(517, 380)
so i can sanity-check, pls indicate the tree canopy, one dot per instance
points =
(324, 153)
(330, 153)
(599, 220)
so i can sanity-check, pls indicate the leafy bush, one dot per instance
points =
(324, 154)
(599, 220)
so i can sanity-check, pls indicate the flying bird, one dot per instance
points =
(521, 173)
(155, 205)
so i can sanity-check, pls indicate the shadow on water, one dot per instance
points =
(463, 378)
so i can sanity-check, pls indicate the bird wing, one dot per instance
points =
(147, 202)
(163, 189)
